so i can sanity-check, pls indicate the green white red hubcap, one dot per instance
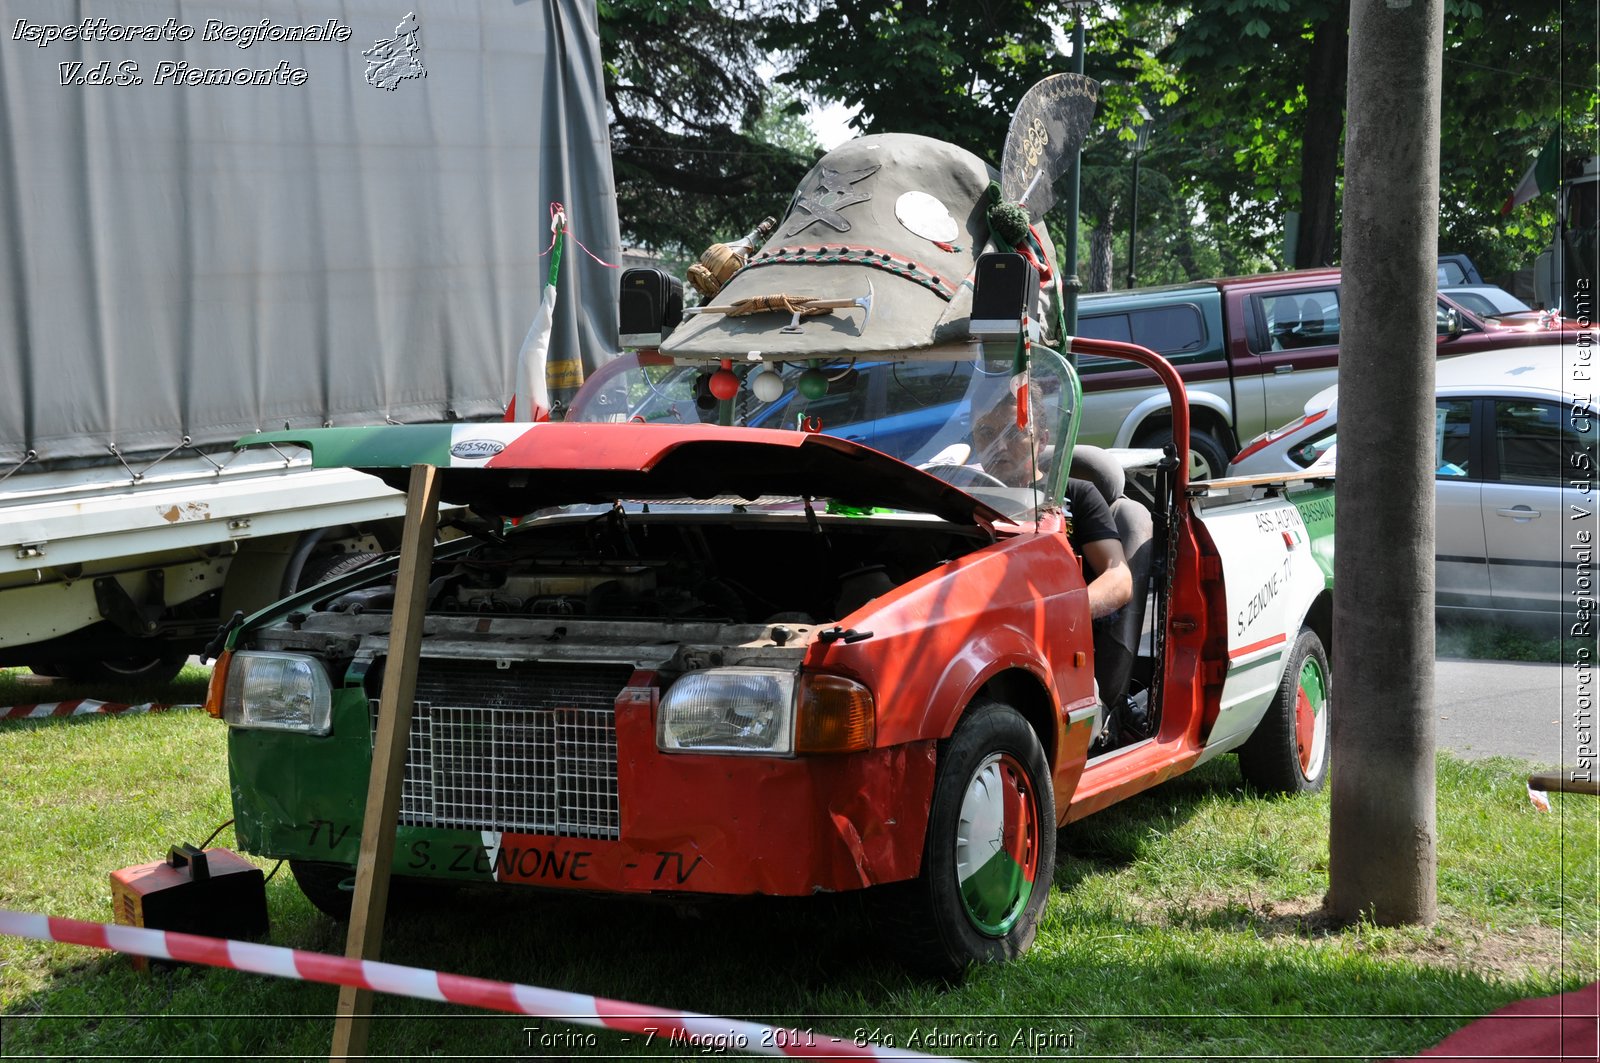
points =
(997, 844)
(1311, 718)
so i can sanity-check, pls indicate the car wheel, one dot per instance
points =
(989, 857)
(330, 887)
(1288, 754)
(1207, 457)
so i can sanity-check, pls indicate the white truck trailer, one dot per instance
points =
(226, 217)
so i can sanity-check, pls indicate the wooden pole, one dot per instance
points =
(1567, 780)
(365, 941)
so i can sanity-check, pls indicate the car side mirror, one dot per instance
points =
(1448, 322)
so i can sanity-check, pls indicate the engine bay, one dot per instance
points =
(736, 569)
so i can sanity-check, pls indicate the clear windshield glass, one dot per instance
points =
(955, 418)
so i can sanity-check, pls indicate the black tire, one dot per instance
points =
(945, 922)
(325, 567)
(1208, 457)
(321, 883)
(157, 667)
(1288, 754)
(331, 889)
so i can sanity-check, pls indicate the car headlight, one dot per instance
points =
(278, 692)
(728, 710)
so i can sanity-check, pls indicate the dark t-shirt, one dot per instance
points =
(1091, 517)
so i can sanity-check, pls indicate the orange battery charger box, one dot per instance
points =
(212, 892)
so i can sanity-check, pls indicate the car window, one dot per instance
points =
(1452, 438)
(1478, 304)
(1452, 273)
(1169, 329)
(845, 403)
(1533, 440)
(917, 385)
(1301, 319)
(1114, 327)
(1305, 454)
(1164, 329)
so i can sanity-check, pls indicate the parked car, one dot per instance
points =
(1486, 300)
(1514, 447)
(682, 659)
(1251, 351)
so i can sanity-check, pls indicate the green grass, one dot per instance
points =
(1183, 923)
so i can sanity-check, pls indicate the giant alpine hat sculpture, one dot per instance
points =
(877, 249)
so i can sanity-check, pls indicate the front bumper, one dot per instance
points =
(691, 823)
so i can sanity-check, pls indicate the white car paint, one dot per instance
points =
(1504, 534)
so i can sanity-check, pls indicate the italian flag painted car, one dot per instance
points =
(670, 657)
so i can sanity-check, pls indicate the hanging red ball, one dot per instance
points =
(724, 384)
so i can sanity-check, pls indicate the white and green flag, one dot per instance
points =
(1542, 176)
(530, 397)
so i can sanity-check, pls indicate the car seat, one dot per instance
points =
(1116, 639)
(1308, 331)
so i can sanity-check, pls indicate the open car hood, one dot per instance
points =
(509, 469)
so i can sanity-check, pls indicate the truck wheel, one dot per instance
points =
(1207, 457)
(1288, 754)
(990, 852)
(322, 569)
(155, 668)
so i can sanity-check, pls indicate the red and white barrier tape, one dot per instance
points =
(672, 1029)
(83, 707)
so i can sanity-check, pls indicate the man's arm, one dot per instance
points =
(1112, 588)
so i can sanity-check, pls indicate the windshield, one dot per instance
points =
(955, 417)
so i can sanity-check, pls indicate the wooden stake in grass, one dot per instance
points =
(365, 942)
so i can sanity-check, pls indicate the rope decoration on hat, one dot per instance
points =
(789, 304)
(849, 255)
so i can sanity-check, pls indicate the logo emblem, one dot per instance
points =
(476, 449)
(393, 61)
(831, 195)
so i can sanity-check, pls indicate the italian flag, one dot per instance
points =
(1542, 176)
(1019, 373)
(530, 397)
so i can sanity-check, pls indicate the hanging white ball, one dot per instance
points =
(767, 386)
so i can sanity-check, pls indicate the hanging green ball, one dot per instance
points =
(1009, 222)
(813, 384)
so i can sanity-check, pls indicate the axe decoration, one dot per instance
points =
(797, 305)
(1046, 132)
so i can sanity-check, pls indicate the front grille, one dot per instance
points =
(529, 748)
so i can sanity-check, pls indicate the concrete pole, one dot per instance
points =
(1382, 855)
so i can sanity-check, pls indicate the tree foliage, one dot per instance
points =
(699, 151)
(1246, 99)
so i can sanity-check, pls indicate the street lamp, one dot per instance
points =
(1141, 140)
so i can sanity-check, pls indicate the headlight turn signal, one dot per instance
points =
(834, 715)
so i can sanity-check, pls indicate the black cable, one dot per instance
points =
(208, 841)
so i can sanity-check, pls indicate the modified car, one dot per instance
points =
(677, 655)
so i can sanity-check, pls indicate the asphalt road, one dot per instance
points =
(1490, 708)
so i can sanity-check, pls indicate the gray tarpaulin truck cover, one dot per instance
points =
(221, 217)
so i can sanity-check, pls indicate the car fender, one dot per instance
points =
(1161, 405)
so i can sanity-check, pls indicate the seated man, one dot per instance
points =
(1006, 453)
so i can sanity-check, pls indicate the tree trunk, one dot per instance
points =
(1100, 259)
(1382, 856)
(1319, 144)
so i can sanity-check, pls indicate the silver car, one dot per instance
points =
(1514, 446)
